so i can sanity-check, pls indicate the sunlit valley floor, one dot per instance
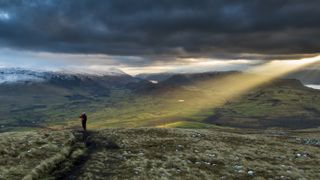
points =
(269, 131)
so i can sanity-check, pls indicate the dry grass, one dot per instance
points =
(33, 155)
(159, 153)
(198, 154)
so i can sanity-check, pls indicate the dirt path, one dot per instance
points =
(101, 160)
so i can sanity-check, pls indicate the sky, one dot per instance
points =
(155, 36)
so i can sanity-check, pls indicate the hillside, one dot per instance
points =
(31, 98)
(307, 76)
(148, 153)
(182, 100)
(286, 104)
(191, 103)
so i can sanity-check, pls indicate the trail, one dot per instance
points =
(101, 160)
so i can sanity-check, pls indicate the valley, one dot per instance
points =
(178, 100)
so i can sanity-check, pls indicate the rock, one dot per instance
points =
(250, 173)
(299, 155)
(237, 167)
(196, 135)
(211, 155)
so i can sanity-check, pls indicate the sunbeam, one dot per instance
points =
(222, 90)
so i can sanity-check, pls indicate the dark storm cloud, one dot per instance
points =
(163, 28)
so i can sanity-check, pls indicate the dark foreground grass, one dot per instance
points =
(36, 154)
(157, 153)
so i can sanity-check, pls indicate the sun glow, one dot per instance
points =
(281, 67)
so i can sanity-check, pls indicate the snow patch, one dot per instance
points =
(313, 86)
(154, 81)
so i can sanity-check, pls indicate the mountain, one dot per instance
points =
(28, 83)
(179, 77)
(155, 76)
(161, 82)
(18, 75)
(308, 76)
(30, 97)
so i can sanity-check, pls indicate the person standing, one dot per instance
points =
(84, 121)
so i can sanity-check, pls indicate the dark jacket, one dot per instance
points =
(83, 117)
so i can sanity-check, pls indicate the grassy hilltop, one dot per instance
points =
(148, 153)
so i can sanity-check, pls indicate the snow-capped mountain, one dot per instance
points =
(15, 75)
(18, 75)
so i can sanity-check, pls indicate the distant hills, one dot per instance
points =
(155, 76)
(30, 97)
(308, 76)
(34, 99)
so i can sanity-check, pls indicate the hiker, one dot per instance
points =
(84, 121)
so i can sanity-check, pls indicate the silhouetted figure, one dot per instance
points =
(84, 121)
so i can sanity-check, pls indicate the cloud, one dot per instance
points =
(4, 16)
(163, 30)
(101, 63)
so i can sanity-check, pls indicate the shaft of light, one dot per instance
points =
(221, 90)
